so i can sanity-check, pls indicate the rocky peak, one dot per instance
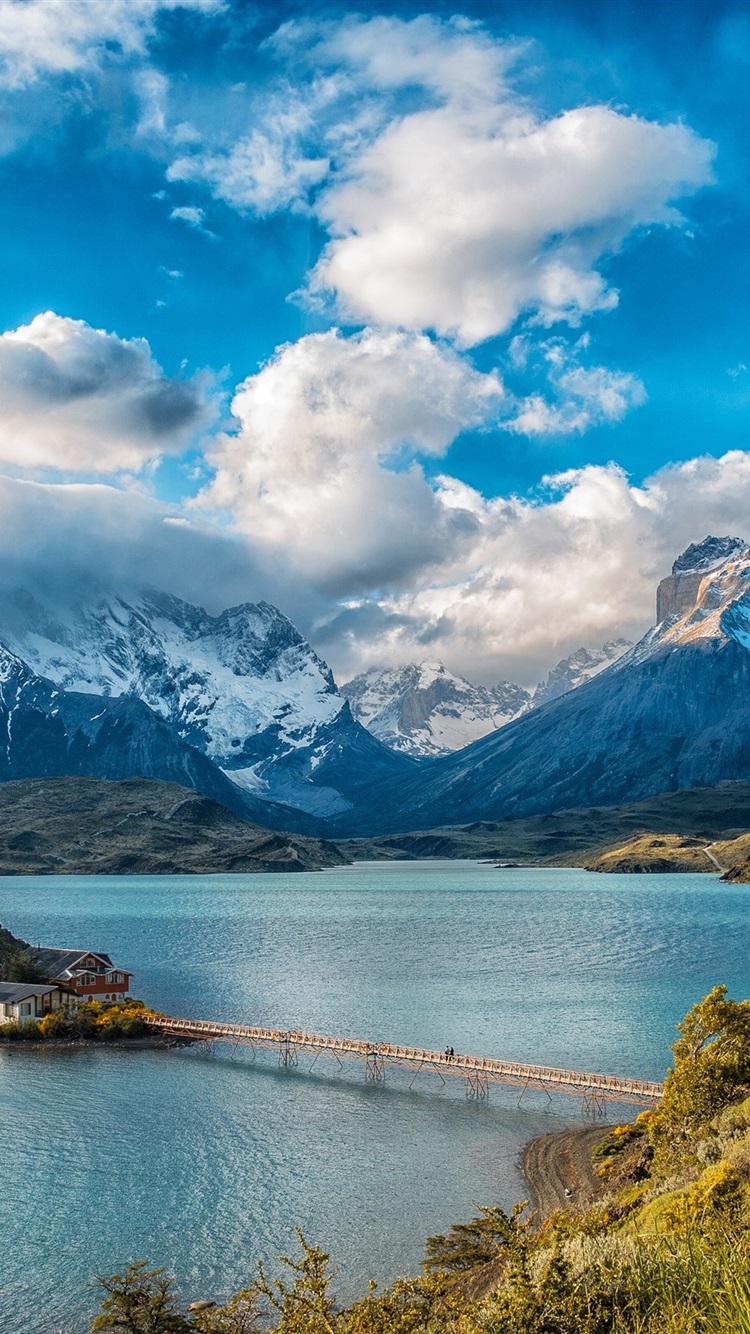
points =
(708, 554)
(424, 710)
(679, 593)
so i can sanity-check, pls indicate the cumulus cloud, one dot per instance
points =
(325, 464)
(578, 565)
(581, 396)
(458, 219)
(450, 203)
(532, 580)
(78, 399)
(53, 37)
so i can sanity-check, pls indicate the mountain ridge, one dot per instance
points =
(424, 710)
(243, 689)
(671, 713)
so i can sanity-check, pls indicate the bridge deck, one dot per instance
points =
(479, 1068)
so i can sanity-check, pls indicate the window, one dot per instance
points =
(26, 1008)
(117, 977)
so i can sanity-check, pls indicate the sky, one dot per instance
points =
(428, 325)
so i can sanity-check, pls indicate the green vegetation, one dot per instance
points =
(15, 966)
(94, 1021)
(666, 1251)
(579, 837)
(98, 826)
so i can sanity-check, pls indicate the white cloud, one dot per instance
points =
(459, 219)
(578, 566)
(450, 204)
(61, 537)
(189, 214)
(259, 172)
(53, 37)
(266, 169)
(528, 583)
(324, 467)
(584, 396)
(78, 399)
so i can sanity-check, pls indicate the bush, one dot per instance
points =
(96, 1021)
(20, 1030)
(711, 1068)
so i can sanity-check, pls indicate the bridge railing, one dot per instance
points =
(488, 1068)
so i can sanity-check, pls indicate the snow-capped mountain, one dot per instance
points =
(423, 710)
(576, 670)
(47, 732)
(244, 688)
(671, 713)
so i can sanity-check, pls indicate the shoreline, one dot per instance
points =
(150, 1043)
(559, 1171)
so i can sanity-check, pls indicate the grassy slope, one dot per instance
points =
(575, 838)
(141, 826)
(81, 826)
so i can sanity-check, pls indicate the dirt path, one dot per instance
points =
(711, 857)
(559, 1170)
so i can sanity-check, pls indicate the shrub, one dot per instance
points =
(711, 1066)
(20, 1030)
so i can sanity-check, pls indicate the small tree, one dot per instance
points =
(305, 1306)
(240, 1315)
(711, 1069)
(490, 1234)
(140, 1301)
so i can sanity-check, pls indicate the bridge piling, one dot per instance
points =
(477, 1085)
(374, 1067)
(593, 1103)
(287, 1053)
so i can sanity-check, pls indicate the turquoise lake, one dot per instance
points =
(205, 1163)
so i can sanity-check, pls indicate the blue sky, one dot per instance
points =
(336, 292)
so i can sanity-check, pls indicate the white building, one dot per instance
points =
(23, 1001)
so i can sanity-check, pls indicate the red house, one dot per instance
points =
(91, 976)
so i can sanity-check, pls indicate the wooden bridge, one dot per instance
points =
(477, 1071)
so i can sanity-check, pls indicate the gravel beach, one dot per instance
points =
(559, 1170)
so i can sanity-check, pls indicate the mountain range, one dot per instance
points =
(239, 707)
(424, 710)
(670, 713)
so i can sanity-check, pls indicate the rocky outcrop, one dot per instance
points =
(679, 592)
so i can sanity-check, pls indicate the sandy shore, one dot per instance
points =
(559, 1170)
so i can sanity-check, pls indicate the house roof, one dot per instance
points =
(20, 991)
(61, 963)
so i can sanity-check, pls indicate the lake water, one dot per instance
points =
(204, 1164)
